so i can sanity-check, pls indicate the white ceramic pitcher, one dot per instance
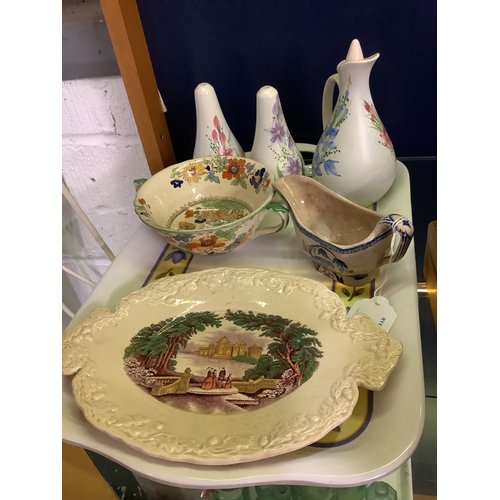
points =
(355, 156)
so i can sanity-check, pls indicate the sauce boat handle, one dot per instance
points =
(404, 228)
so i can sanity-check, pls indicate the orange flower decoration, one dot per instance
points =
(193, 172)
(234, 169)
(206, 243)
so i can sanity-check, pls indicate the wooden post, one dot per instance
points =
(81, 479)
(129, 43)
(430, 267)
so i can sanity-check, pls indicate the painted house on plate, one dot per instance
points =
(225, 349)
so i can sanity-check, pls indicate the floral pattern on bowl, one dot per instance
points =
(237, 170)
(209, 205)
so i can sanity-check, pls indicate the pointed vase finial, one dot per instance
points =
(213, 135)
(355, 53)
(273, 144)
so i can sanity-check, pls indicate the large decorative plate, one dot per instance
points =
(225, 365)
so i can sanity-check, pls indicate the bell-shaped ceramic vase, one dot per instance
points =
(213, 135)
(273, 145)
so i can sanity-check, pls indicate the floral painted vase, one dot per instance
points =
(273, 145)
(355, 156)
(213, 135)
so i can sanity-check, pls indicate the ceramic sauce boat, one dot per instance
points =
(345, 241)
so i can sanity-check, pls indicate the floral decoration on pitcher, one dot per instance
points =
(219, 144)
(281, 143)
(327, 147)
(377, 124)
(325, 261)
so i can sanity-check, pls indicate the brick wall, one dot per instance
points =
(101, 156)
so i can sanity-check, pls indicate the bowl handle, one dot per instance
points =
(138, 183)
(284, 215)
(404, 228)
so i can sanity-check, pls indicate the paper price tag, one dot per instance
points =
(378, 309)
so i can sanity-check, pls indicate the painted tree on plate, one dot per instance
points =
(268, 366)
(158, 344)
(293, 345)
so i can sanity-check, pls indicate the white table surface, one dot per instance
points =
(394, 429)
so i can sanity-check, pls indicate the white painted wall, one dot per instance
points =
(101, 156)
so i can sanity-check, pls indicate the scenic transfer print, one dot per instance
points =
(222, 362)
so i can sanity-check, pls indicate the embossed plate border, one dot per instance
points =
(356, 353)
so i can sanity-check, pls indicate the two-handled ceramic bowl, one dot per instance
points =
(209, 206)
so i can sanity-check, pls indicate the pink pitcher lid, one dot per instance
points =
(355, 53)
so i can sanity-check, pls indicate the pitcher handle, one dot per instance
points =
(328, 91)
(404, 228)
(284, 216)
